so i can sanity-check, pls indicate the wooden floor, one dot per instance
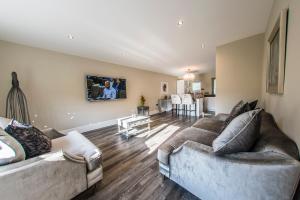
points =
(131, 168)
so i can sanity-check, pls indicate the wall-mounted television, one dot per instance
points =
(105, 88)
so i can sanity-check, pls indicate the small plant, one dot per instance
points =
(142, 100)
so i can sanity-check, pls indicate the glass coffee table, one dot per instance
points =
(132, 125)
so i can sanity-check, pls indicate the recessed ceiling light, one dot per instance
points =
(202, 46)
(180, 23)
(71, 37)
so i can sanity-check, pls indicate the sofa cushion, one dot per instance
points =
(273, 139)
(194, 134)
(239, 135)
(209, 124)
(10, 149)
(33, 141)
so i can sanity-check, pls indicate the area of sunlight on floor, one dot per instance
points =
(148, 134)
(155, 136)
(160, 137)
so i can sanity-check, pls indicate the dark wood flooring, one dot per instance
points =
(130, 166)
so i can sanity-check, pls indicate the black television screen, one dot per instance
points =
(105, 88)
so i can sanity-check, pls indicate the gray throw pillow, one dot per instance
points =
(237, 108)
(253, 104)
(240, 135)
(11, 150)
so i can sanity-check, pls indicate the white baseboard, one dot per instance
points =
(98, 125)
(90, 127)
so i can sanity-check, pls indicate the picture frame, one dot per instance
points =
(164, 87)
(277, 55)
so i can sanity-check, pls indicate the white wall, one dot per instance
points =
(286, 107)
(55, 86)
(238, 72)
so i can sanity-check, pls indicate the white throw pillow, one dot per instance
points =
(4, 122)
(10, 149)
(7, 154)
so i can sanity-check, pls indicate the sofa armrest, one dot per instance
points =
(79, 149)
(250, 175)
(195, 146)
(49, 176)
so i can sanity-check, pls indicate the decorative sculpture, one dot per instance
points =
(16, 103)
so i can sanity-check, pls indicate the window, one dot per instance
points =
(196, 86)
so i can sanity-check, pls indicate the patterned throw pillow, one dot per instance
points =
(34, 142)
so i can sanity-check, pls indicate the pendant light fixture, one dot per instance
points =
(189, 75)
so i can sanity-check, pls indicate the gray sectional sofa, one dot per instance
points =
(270, 170)
(72, 166)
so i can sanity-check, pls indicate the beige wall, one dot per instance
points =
(286, 107)
(55, 86)
(206, 82)
(238, 72)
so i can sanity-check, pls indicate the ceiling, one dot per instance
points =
(137, 33)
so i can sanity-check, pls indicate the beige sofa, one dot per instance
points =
(72, 166)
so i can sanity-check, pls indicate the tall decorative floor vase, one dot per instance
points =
(16, 103)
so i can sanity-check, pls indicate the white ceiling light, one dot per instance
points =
(180, 23)
(202, 46)
(189, 75)
(125, 54)
(71, 37)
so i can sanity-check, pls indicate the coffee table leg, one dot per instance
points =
(127, 134)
